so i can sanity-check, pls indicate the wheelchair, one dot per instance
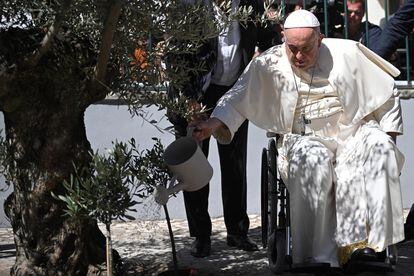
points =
(276, 228)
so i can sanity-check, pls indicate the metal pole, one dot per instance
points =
(174, 252)
(109, 266)
(386, 10)
(346, 23)
(325, 12)
(408, 57)
(366, 25)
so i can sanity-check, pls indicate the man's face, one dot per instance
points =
(355, 13)
(302, 46)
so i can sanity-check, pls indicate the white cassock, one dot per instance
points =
(343, 174)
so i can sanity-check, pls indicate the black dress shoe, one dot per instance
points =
(201, 247)
(364, 260)
(364, 255)
(241, 242)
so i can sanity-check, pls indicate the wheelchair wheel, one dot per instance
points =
(264, 198)
(272, 186)
(268, 191)
(277, 252)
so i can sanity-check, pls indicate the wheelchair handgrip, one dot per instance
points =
(271, 134)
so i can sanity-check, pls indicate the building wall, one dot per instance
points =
(106, 123)
(376, 12)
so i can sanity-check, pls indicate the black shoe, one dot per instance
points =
(241, 242)
(201, 247)
(364, 260)
(364, 255)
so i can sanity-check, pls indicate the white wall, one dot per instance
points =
(4, 190)
(376, 12)
(107, 123)
(406, 145)
(104, 124)
(99, 133)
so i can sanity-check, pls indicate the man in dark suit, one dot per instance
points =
(400, 25)
(233, 50)
(357, 28)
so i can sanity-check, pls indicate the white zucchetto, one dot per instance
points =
(301, 19)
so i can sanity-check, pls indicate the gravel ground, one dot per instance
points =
(145, 248)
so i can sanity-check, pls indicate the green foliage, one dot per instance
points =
(149, 167)
(173, 29)
(105, 190)
(163, 28)
(160, 28)
(82, 17)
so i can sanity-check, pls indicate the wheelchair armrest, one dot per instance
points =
(271, 134)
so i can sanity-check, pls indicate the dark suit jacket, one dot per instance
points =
(251, 35)
(374, 34)
(400, 25)
(254, 35)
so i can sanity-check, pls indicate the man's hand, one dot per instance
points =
(204, 129)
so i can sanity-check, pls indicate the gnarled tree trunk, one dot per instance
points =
(44, 110)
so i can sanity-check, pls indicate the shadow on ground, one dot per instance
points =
(230, 261)
(146, 250)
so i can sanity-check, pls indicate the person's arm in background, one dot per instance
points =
(400, 25)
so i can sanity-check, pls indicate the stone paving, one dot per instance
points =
(145, 248)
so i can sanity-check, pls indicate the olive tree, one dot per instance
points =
(57, 57)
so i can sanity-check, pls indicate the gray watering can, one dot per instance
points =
(190, 168)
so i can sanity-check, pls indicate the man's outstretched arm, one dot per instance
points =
(400, 25)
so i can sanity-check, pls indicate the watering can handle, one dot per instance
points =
(172, 189)
(172, 181)
(162, 193)
(190, 131)
(176, 188)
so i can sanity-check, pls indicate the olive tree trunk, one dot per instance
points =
(44, 111)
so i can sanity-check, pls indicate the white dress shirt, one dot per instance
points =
(229, 56)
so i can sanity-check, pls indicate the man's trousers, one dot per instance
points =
(233, 158)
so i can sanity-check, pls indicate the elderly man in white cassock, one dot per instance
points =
(334, 103)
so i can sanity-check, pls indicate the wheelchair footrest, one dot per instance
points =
(360, 266)
(309, 267)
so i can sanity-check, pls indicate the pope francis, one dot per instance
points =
(334, 103)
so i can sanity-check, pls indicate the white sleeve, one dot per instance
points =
(389, 114)
(228, 115)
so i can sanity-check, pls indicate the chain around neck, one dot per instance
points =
(297, 89)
